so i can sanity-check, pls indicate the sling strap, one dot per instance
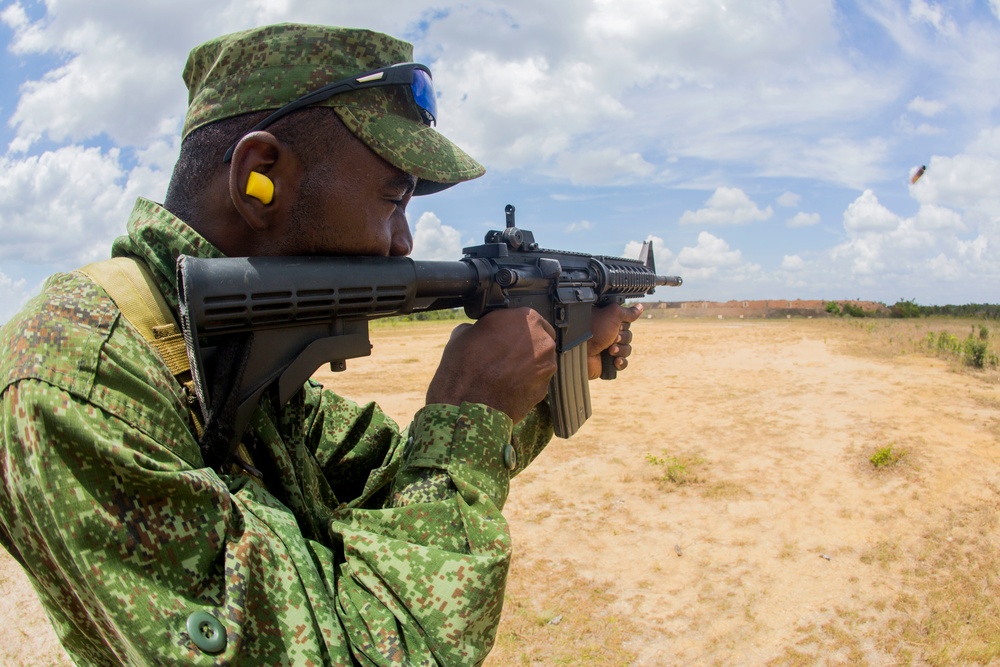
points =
(130, 285)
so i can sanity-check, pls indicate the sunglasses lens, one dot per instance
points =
(423, 95)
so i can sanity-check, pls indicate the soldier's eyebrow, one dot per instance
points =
(401, 181)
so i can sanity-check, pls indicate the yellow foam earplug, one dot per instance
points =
(260, 187)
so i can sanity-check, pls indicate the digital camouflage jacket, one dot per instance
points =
(364, 545)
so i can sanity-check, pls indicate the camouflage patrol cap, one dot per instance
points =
(265, 68)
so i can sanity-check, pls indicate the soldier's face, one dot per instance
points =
(352, 203)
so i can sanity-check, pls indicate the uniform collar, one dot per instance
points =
(158, 237)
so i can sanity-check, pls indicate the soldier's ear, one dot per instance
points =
(262, 180)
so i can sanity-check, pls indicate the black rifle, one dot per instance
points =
(257, 322)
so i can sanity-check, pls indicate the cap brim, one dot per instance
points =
(415, 148)
(430, 187)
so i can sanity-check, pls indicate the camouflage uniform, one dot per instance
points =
(369, 543)
(362, 545)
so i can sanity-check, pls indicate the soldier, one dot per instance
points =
(335, 537)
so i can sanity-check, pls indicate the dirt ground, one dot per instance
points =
(721, 506)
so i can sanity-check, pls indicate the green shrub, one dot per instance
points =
(948, 343)
(886, 456)
(853, 310)
(904, 308)
(435, 315)
(975, 352)
(676, 470)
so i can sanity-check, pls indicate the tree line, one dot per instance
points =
(909, 308)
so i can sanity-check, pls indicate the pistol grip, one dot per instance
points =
(608, 370)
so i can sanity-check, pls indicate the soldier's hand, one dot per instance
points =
(505, 360)
(611, 332)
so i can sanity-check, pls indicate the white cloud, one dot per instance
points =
(711, 269)
(14, 16)
(434, 240)
(81, 99)
(926, 253)
(727, 206)
(966, 181)
(926, 107)
(975, 249)
(15, 293)
(934, 15)
(697, 40)
(948, 40)
(792, 263)
(844, 160)
(67, 205)
(116, 74)
(582, 226)
(789, 200)
(652, 82)
(863, 254)
(603, 167)
(121, 62)
(527, 110)
(710, 253)
(662, 256)
(866, 214)
(927, 130)
(987, 142)
(803, 219)
(930, 217)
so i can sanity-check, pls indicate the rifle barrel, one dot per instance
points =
(669, 281)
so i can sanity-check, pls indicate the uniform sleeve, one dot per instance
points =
(425, 549)
(423, 577)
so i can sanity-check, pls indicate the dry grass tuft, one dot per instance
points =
(552, 616)
(950, 615)
(676, 470)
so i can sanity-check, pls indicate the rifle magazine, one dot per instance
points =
(569, 392)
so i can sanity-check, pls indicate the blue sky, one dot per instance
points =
(764, 147)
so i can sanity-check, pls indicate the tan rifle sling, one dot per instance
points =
(130, 285)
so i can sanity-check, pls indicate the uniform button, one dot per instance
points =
(206, 632)
(509, 456)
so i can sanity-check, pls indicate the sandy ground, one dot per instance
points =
(781, 546)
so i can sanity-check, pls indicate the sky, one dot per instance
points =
(765, 148)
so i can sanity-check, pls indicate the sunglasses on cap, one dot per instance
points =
(417, 76)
